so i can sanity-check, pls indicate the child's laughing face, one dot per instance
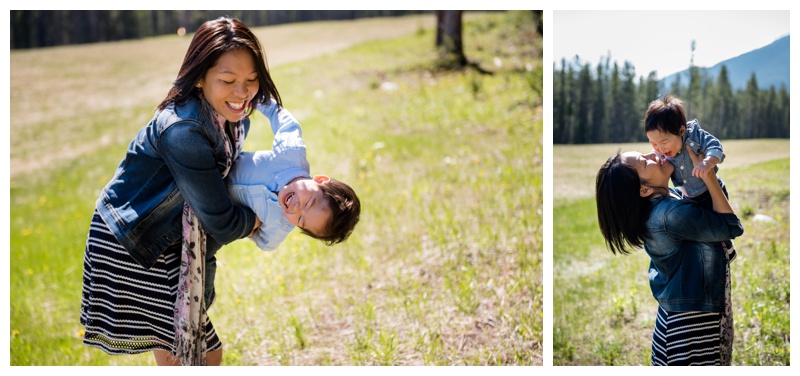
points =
(665, 143)
(304, 204)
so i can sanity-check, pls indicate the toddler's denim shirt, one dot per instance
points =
(699, 141)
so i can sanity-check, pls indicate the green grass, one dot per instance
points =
(603, 310)
(445, 267)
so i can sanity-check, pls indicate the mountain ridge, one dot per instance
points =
(770, 63)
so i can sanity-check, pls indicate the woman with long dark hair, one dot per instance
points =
(689, 270)
(149, 260)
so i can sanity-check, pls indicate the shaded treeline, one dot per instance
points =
(43, 28)
(606, 104)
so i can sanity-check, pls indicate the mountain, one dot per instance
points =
(770, 64)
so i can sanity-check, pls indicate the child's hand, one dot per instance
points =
(661, 158)
(701, 169)
(697, 160)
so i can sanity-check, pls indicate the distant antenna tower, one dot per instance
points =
(689, 89)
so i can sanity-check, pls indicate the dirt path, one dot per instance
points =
(52, 87)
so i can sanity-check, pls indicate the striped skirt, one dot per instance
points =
(686, 339)
(694, 338)
(128, 309)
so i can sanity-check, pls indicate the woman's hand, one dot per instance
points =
(255, 228)
(708, 175)
(701, 169)
(696, 159)
(719, 202)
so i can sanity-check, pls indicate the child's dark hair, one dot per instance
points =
(665, 115)
(345, 212)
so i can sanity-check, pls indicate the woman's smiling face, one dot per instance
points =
(231, 84)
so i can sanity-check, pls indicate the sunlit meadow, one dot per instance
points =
(604, 312)
(445, 267)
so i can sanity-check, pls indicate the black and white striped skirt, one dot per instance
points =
(686, 338)
(128, 309)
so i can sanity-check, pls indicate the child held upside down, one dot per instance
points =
(277, 186)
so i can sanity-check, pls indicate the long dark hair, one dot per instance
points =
(211, 40)
(621, 211)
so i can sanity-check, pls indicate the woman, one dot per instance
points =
(689, 273)
(166, 211)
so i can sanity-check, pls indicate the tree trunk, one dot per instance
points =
(448, 38)
(537, 17)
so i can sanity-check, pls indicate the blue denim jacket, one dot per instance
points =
(687, 262)
(176, 157)
(256, 177)
(701, 142)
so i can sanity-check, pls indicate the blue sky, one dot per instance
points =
(661, 40)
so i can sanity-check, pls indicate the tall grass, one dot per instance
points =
(604, 312)
(444, 268)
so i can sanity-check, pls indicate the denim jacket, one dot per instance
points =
(687, 262)
(699, 141)
(256, 177)
(176, 157)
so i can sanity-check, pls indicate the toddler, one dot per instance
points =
(669, 134)
(277, 186)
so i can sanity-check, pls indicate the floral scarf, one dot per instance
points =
(190, 306)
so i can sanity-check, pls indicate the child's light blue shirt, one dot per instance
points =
(699, 141)
(256, 177)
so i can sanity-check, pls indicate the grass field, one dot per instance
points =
(603, 309)
(445, 267)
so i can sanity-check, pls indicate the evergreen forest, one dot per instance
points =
(606, 104)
